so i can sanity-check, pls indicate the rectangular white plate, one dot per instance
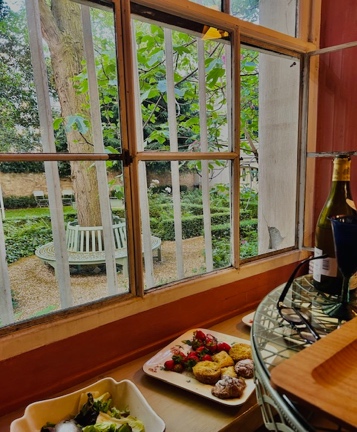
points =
(155, 368)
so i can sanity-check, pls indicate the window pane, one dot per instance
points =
(78, 113)
(29, 234)
(189, 210)
(183, 85)
(269, 149)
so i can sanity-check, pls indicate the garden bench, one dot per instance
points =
(85, 246)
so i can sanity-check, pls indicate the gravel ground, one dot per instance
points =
(34, 287)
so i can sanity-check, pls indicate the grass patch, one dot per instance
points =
(33, 212)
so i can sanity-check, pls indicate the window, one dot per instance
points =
(170, 144)
(280, 15)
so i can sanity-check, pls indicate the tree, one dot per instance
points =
(62, 30)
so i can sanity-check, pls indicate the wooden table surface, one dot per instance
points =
(181, 410)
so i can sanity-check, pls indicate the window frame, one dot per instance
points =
(108, 310)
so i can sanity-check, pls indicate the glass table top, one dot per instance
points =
(275, 340)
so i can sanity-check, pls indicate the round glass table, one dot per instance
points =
(274, 340)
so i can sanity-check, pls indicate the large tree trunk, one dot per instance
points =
(62, 30)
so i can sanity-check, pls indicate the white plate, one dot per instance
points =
(155, 368)
(248, 319)
(124, 395)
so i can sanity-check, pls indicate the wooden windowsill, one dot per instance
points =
(181, 410)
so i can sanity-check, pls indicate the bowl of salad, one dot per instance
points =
(105, 406)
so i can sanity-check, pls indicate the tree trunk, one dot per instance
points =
(62, 30)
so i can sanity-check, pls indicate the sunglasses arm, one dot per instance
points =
(293, 275)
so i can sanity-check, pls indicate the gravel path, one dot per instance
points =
(35, 292)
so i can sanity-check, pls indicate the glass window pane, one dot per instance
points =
(269, 151)
(29, 235)
(189, 211)
(183, 85)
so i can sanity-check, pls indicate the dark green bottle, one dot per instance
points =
(326, 276)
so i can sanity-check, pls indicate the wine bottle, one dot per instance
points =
(326, 276)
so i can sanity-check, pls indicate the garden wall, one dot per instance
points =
(13, 184)
(24, 184)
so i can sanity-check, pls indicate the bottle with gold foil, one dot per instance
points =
(326, 276)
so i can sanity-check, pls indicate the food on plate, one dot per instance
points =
(229, 387)
(97, 414)
(207, 372)
(245, 368)
(211, 361)
(240, 351)
(228, 371)
(223, 359)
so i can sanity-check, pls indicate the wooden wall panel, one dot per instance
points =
(337, 101)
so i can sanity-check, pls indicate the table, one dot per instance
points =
(181, 410)
(273, 341)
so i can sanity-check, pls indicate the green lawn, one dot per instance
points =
(37, 212)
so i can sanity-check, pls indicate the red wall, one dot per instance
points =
(337, 102)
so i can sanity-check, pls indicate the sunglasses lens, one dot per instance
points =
(307, 336)
(290, 315)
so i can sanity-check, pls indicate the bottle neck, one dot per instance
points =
(341, 170)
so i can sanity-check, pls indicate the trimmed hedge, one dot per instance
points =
(14, 202)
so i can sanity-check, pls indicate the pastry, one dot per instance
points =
(228, 371)
(223, 359)
(207, 372)
(240, 351)
(245, 368)
(229, 388)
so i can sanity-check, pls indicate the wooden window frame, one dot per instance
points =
(87, 317)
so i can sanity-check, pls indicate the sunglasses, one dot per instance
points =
(298, 320)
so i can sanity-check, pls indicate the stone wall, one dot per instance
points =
(13, 184)
(24, 184)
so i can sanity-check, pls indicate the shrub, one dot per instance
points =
(14, 202)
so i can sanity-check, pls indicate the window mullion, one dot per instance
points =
(47, 134)
(143, 197)
(129, 139)
(233, 83)
(6, 308)
(175, 177)
(109, 247)
(204, 147)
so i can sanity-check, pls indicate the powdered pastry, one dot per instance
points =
(245, 368)
(229, 388)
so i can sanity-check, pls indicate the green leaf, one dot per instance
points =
(76, 122)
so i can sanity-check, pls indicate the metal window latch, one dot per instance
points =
(127, 158)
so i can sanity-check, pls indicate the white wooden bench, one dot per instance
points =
(85, 246)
